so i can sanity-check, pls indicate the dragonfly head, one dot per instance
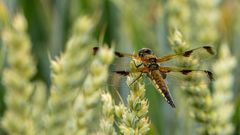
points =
(144, 51)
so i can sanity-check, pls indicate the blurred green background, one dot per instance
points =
(133, 25)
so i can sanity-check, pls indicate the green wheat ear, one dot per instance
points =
(179, 14)
(107, 118)
(16, 78)
(178, 22)
(222, 95)
(68, 73)
(195, 90)
(86, 105)
(133, 118)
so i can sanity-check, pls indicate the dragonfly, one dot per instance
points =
(150, 65)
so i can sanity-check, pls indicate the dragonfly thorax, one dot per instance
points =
(153, 66)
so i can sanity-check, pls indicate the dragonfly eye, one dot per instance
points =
(140, 54)
(144, 51)
(148, 51)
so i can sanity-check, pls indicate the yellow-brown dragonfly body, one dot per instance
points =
(161, 86)
(150, 65)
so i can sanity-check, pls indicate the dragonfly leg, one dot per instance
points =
(137, 66)
(136, 79)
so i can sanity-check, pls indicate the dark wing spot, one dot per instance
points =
(186, 71)
(95, 49)
(164, 75)
(119, 54)
(209, 75)
(125, 73)
(209, 49)
(187, 53)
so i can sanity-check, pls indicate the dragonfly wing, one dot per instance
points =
(188, 53)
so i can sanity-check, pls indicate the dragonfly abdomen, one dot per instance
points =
(161, 86)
